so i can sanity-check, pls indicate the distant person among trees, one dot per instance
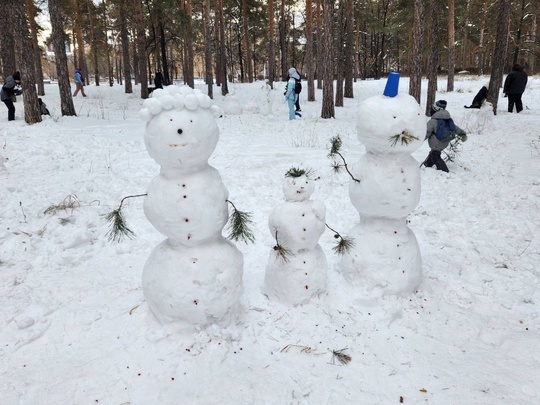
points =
(290, 93)
(8, 91)
(158, 80)
(514, 86)
(79, 83)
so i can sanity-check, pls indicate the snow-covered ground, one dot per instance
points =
(75, 329)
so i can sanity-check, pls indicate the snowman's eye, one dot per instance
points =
(179, 132)
(170, 119)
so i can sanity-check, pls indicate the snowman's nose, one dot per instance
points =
(179, 132)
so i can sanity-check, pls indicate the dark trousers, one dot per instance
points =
(297, 103)
(11, 109)
(434, 158)
(515, 99)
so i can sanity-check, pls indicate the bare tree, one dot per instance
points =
(222, 49)
(309, 51)
(59, 44)
(415, 83)
(328, 60)
(141, 47)
(340, 54)
(271, 55)
(499, 54)
(319, 50)
(433, 57)
(283, 42)
(35, 49)
(7, 42)
(93, 41)
(124, 37)
(25, 57)
(349, 50)
(247, 44)
(208, 49)
(451, 46)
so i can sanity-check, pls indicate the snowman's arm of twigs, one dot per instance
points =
(343, 245)
(239, 223)
(118, 227)
(334, 150)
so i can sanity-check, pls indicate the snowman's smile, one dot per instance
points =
(176, 145)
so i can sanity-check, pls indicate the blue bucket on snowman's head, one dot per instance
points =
(392, 84)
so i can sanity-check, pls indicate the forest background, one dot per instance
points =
(332, 42)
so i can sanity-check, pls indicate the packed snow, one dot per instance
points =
(75, 327)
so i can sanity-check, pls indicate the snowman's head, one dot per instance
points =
(181, 132)
(297, 186)
(391, 125)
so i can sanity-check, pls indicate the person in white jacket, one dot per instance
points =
(290, 94)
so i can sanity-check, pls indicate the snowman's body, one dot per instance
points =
(385, 258)
(193, 277)
(297, 224)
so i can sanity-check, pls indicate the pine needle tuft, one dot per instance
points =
(336, 144)
(405, 138)
(341, 356)
(281, 251)
(295, 172)
(239, 226)
(344, 245)
(119, 228)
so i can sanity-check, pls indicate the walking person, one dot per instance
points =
(158, 80)
(440, 131)
(514, 86)
(290, 94)
(298, 90)
(7, 92)
(79, 83)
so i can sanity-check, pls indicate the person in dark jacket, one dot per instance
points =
(158, 80)
(8, 90)
(438, 112)
(514, 86)
(79, 83)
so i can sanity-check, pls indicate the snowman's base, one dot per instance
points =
(297, 280)
(385, 259)
(198, 286)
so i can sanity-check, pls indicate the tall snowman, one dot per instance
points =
(385, 257)
(194, 277)
(297, 267)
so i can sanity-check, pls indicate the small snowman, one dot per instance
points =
(266, 99)
(231, 104)
(385, 187)
(194, 277)
(296, 269)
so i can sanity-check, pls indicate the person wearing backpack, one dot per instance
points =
(298, 90)
(514, 86)
(290, 93)
(441, 130)
(8, 91)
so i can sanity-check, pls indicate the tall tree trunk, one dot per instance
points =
(188, 46)
(433, 58)
(36, 50)
(247, 44)
(328, 60)
(59, 44)
(309, 51)
(222, 50)
(320, 67)
(499, 54)
(349, 50)
(141, 45)
(271, 55)
(7, 43)
(25, 56)
(80, 39)
(91, 10)
(283, 42)
(451, 47)
(208, 50)
(124, 37)
(481, 51)
(340, 54)
(415, 83)
(163, 51)
(107, 50)
(522, 16)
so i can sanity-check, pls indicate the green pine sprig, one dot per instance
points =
(239, 225)
(281, 251)
(335, 146)
(405, 137)
(295, 172)
(343, 245)
(118, 227)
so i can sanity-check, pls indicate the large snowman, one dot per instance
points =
(194, 277)
(297, 267)
(385, 258)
